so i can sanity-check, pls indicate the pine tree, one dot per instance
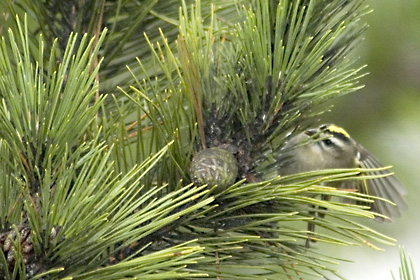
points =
(106, 103)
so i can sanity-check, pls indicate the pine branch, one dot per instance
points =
(250, 96)
(68, 213)
(127, 21)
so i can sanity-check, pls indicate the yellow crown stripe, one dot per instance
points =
(337, 129)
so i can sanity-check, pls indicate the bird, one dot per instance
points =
(329, 146)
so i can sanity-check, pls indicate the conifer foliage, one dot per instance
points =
(139, 138)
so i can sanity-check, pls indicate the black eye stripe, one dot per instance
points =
(328, 142)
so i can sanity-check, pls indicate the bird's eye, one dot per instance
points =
(328, 142)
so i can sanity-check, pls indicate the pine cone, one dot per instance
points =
(33, 263)
(6, 244)
(214, 166)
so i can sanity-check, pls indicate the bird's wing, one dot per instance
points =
(388, 187)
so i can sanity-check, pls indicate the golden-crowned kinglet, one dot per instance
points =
(332, 147)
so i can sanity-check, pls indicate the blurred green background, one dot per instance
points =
(385, 118)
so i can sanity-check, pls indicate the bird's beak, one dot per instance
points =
(310, 132)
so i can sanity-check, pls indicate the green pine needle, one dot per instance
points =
(406, 271)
